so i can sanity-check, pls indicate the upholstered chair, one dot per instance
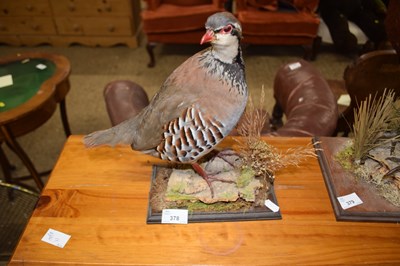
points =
(124, 99)
(277, 22)
(176, 21)
(303, 95)
(371, 74)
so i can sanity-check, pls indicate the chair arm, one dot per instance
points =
(153, 4)
(241, 5)
(219, 3)
(309, 6)
(124, 99)
(307, 101)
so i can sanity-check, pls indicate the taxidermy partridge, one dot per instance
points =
(197, 106)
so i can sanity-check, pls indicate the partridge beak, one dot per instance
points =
(209, 36)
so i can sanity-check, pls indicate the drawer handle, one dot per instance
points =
(35, 27)
(111, 28)
(72, 7)
(29, 7)
(76, 28)
(107, 9)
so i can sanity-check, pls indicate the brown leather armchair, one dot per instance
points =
(176, 21)
(370, 74)
(280, 22)
(124, 99)
(304, 96)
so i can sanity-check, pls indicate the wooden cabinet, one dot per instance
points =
(94, 26)
(78, 8)
(64, 22)
(25, 18)
(14, 8)
(27, 25)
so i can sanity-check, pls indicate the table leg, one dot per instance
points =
(5, 165)
(64, 118)
(10, 140)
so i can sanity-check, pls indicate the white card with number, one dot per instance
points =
(6, 81)
(41, 66)
(271, 205)
(174, 216)
(344, 100)
(349, 201)
(294, 66)
(56, 238)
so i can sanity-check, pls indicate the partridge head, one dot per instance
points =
(197, 106)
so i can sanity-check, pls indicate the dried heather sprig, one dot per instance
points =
(261, 157)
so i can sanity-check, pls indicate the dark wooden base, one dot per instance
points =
(255, 213)
(340, 182)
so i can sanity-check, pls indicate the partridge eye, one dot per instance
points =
(227, 29)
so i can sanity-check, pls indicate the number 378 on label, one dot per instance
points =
(174, 216)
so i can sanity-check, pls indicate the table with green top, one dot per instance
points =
(31, 86)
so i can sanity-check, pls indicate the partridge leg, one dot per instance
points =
(207, 177)
(204, 175)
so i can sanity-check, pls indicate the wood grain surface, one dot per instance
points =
(100, 197)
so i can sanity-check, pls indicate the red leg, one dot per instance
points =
(205, 176)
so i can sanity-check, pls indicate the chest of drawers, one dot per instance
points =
(64, 22)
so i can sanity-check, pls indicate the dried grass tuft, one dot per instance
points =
(254, 118)
(371, 120)
(261, 157)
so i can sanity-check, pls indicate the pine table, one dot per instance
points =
(100, 196)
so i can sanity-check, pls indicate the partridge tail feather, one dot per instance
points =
(119, 134)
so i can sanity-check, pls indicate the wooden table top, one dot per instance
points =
(100, 197)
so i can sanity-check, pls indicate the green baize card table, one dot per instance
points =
(31, 86)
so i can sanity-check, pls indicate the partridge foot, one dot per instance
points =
(208, 178)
